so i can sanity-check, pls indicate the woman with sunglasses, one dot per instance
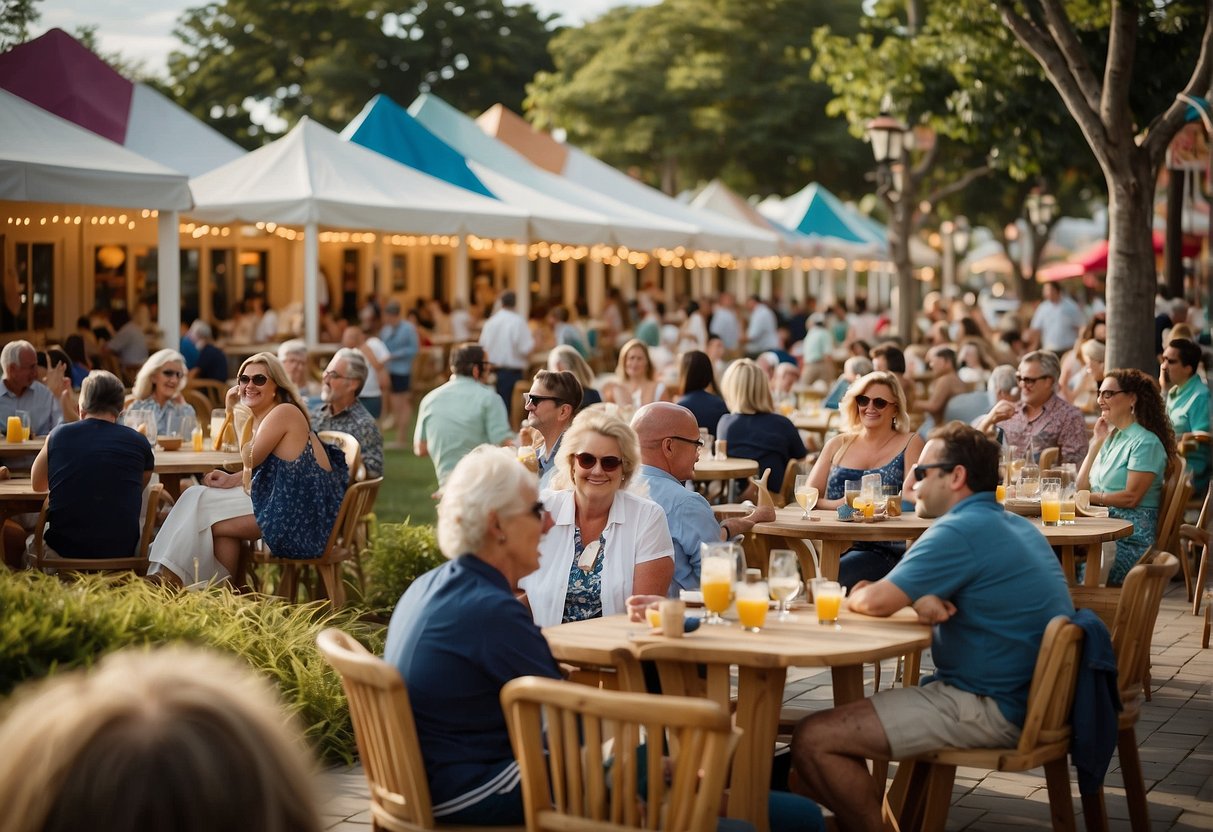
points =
(875, 439)
(294, 484)
(606, 543)
(1131, 451)
(158, 388)
(635, 379)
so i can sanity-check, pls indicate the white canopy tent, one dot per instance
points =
(44, 158)
(311, 178)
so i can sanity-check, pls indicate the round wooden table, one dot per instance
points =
(814, 421)
(762, 660)
(837, 536)
(29, 446)
(729, 468)
(172, 465)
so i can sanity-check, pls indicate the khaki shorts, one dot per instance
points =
(937, 715)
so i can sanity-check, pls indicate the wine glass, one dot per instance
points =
(806, 495)
(783, 575)
(721, 566)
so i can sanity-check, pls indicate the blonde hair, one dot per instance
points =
(745, 388)
(287, 392)
(145, 382)
(849, 409)
(603, 423)
(487, 479)
(174, 738)
(635, 343)
(564, 357)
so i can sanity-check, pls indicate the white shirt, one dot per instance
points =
(762, 335)
(1059, 324)
(371, 388)
(636, 532)
(461, 321)
(726, 327)
(267, 327)
(507, 340)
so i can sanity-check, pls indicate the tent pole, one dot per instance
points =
(311, 266)
(463, 281)
(168, 267)
(522, 281)
(596, 287)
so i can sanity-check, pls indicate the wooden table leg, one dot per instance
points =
(1094, 564)
(1067, 564)
(759, 698)
(831, 554)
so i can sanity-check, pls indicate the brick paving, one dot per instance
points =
(1174, 734)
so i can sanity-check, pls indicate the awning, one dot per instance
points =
(1094, 259)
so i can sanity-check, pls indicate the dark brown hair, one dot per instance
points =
(967, 446)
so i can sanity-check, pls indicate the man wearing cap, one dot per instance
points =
(508, 342)
(400, 337)
(461, 414)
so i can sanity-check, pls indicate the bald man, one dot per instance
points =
(669, 446)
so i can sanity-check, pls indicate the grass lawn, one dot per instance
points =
(408, 482)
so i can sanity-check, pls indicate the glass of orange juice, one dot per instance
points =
(1050, 501)
(720, 568)
(752, 603)
(827, 599)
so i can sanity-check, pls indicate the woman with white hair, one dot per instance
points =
(458, 634)
(158, 389)
(606, 543)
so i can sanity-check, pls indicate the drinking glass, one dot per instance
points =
(1050, 501)
(752, 603)
(172, 424)
(850, 491)
(806, 495)
(827, 599)
(892, 500)
(526, 455)
(1068, 490)
(871, 494)
(1000, 491)
(721, 566)
(1029, 481)
(23, 415)
(783, 574)
(218, 417)
(722, 449)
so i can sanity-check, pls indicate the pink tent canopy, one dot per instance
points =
(1094, 259)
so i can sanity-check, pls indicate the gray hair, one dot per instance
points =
(200, 330)
(144, 381)
(1093, 350)
(1002, 380)
(857, 365)
(295, 346)
(11, 354)
(1049, 363)
(355, 365)
(488, 479)
(102, 392)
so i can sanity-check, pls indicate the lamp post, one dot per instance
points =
(1041, 208)
(954, 235)
(890, 140)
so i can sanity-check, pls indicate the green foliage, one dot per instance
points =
(16, 16)
(47, 626)
(398, 555)
(688, 90)
(326, 59)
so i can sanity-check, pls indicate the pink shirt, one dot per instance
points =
(1059, 424)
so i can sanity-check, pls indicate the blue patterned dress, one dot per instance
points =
(584, 598)
(296, 501)
(870, 560)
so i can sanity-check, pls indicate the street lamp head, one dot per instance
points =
(1041, 207)
(887, 137)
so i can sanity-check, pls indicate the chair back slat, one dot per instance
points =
(605, 767)
(1052, 691)
(137, 563)
(384, 731)
(1136, 613)
(1170, 510)
(350, 446)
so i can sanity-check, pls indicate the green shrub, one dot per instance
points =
(47, 625)
(399, 554)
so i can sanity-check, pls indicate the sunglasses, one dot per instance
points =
(258, 380)
(328, 374)
(172, 373)
(1107, 394)
(920, 471)
(532, 400)
(878, 403)
(1028, 381)
(588, 461)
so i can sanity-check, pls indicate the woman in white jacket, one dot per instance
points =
(606, 542)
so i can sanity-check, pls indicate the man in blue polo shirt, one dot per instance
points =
(989, 583)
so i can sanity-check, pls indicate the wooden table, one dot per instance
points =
(837, 536)
(729, 468)
(814, 421)
(172, 465)
(762, 660)
(18, 496)
(28, 447)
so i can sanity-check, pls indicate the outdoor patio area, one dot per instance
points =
(1175, 735)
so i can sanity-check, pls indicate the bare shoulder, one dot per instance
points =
(287, 417)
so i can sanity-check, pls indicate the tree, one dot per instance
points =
(16, 17)
(688, 90)
(327, 58)
(1098, 90)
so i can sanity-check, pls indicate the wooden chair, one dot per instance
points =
(349, 446)
(1175, 491)
(1135, 614)
(386, 735)
(137, 563)
(341, 546)
(215, 391)
(787, 493)
(201, 404)
(570, 782)
(1191, 442)
(1194, 549)
(1048, 457)
(922, 790)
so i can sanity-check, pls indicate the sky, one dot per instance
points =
(142, 30)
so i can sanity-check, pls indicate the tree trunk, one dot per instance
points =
(901, 215)
(1131, 276)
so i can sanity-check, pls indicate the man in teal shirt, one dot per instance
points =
(990, 584)
(1187, 403)
(461, 414)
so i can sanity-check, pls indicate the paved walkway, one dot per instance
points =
(1175, 734)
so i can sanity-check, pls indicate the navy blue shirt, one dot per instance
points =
(457, 636)
(707, 408)
(769, 439)
(96, 472)
(212, 363)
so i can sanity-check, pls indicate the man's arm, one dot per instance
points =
(40, 472)
(882, 598)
